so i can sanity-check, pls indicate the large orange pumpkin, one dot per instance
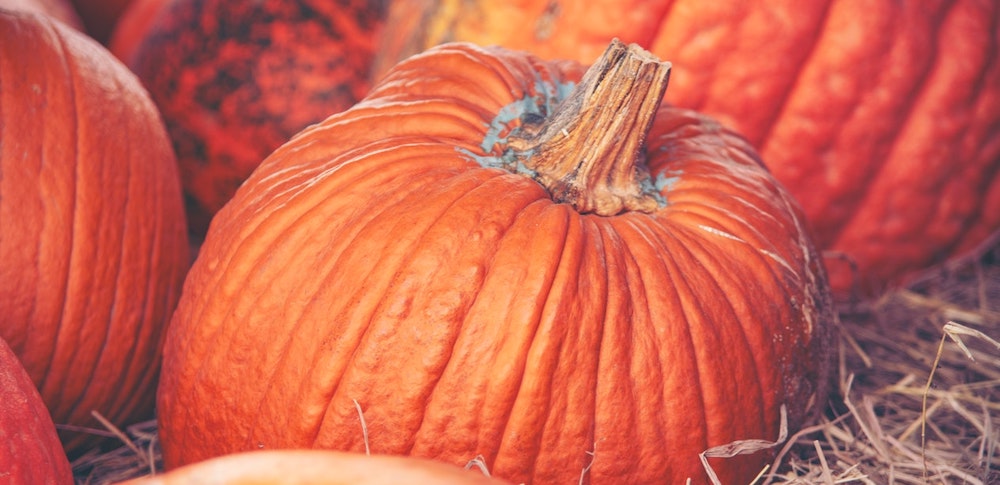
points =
(317, 467)
(30, 451)
(490, 256)
(881, 118)
(236, 79)
(92, 234)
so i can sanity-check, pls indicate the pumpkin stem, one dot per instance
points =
(589, 153)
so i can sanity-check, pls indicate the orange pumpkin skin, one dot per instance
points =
(372, 266)
(235, 79)
(316, 467)
(30, 451)
(881, 118)
(93, 246)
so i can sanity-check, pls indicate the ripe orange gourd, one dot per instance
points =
(30, 451)
(492, 255)
(881, 118)
(317, 467)
(236, 79)
(93, 247)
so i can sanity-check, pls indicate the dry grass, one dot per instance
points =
(920, 395)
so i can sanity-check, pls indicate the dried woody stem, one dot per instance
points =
(589, 153)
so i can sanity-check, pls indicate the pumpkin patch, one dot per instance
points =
(500, 256)
(93, 246)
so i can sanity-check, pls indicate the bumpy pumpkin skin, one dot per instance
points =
(373, 262)
(881, 118)
(30, 451)
(236, 79)
(317, 467)
(93, 246)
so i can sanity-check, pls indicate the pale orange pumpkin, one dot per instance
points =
(317, 467)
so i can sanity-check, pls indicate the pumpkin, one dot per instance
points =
(93, 247)
(236, 79)
(430, 273)
(881, 118)
(316, 467)
(61, 10)
(30, 451)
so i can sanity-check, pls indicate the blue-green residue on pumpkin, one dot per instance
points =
(664, 183)
(547, 96)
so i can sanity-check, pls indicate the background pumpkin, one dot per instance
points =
(880, 117)
(30, 451)
(92, 232)
(372, 266)
(58, 9)
(236, 79)
(317, 467)
(100, 16)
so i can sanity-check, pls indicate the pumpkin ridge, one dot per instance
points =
(857, 201)
(368, 165)
(539, 397)
(261, 230)
(704, 250)
(452, 192)
(778, 108)
(44, 371)
(118, 301)
(914, 101)
(505, 350)
(489, 266)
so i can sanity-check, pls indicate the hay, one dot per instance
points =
(919, 376)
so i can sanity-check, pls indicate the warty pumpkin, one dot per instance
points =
(236, 79)
(30, 451)
(492, 255)
(93, 246)
(881, 118)
(317, 467)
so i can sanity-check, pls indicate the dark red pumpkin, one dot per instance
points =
(573, 291)
(100, 16)
(92, 233)
(881, 118)
(30, 451)
(317, 467)
(236, 79)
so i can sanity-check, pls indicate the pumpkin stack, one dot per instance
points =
(881, 118)
(93, 246)
(499, 256)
